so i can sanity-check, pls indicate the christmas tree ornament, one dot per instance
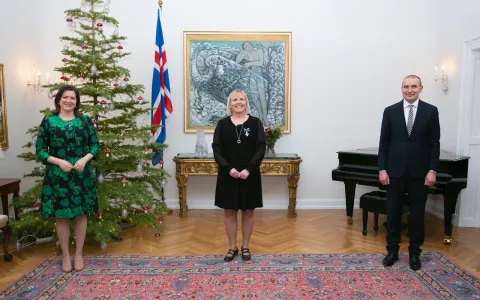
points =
(64, 60)
(93, 69)
(94, 123)
(140, 98)
(81, 75)
(111, 106)
(145, 209)
(103, 103)
(124, 181)
(157, 234)
(100, 25)
(124, 213)
(107, 152)
(100, 178)
(123, 85)
(103, 246)
(120, 47)
(145, 150)
(140, 167)
(147, 164)
(163, 183)
(99, 215)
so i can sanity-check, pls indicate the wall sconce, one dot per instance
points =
(443, 79)
(37, 82)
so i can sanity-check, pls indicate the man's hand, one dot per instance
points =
(80, 164)
(430, 179)
(64, 165)
(383, 177)
(234, 173)
(244, 174)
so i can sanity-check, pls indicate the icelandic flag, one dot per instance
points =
(161, 104)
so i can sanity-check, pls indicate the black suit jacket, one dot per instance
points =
(419, 152)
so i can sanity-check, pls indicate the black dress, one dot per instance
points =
(236, 193)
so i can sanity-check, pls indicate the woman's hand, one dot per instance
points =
(80, 164)
(234, 173)
(64, 165)
(244, 174)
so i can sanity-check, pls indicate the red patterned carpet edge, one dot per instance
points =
(267, 276)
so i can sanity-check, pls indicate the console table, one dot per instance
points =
(188, 164)
(9, 186)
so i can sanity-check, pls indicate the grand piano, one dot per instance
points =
(360, 166)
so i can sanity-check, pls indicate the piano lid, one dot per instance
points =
(444, 155)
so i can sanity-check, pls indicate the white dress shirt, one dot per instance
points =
(406, 110)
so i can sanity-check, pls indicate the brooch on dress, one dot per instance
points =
(247, 131)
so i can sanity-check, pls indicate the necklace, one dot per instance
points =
(238, 134)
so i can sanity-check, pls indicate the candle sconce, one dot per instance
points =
(36, 84)
(442, 78)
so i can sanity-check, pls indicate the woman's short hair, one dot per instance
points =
(233, 93)
(60, 92)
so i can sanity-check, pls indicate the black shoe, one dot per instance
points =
(390, 259)
(414, 261)
(230, 254)
(246, 255)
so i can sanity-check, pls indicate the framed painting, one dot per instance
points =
(3, 112)
(216, 63)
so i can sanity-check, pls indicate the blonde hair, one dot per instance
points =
(236, 92)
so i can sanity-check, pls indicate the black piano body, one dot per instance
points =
(360, 166)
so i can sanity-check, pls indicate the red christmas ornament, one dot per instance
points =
(107, 151)
(115, 84)
(124, 181)
(37, 204)
(140, 98)
(69, 20)
(84, 47)
(147, 164)
(125, 79)
(99, 24)
(160, 219)
(95, 123)
(157, 234)
(120, 47)
(145, 150)
(99, 214)
(64, 60)
(81, 75)
(161, 162)
(103, 102)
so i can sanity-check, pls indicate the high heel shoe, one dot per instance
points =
(79, 267)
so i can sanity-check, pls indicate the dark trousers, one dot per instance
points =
(417, 198)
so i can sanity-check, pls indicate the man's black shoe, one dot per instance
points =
(390, 259)
(414, 261)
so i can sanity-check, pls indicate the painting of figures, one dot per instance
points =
(218, 62)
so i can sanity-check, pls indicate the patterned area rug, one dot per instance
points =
(297, 276)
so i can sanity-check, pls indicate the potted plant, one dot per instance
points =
(272, 134)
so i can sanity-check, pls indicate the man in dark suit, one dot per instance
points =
(407, 159)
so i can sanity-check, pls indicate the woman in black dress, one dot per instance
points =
(238, 147)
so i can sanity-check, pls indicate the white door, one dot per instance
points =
(470, 199)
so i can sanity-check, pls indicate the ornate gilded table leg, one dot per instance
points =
(182, 193)
(292, 195)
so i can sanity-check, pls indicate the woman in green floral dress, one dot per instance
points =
(66, 143)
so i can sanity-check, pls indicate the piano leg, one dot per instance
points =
(350, 197)
(449, 204)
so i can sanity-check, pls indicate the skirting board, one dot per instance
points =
(269, 204)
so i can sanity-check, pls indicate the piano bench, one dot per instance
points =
(376, 202)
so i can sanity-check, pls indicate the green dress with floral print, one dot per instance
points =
(67, 194)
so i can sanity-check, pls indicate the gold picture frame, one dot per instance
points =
(217, 62)
(3, 111)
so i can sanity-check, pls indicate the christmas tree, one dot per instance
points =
(129, 189)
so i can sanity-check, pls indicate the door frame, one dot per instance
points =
(466, 95)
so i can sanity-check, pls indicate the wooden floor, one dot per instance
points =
(313, 231)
